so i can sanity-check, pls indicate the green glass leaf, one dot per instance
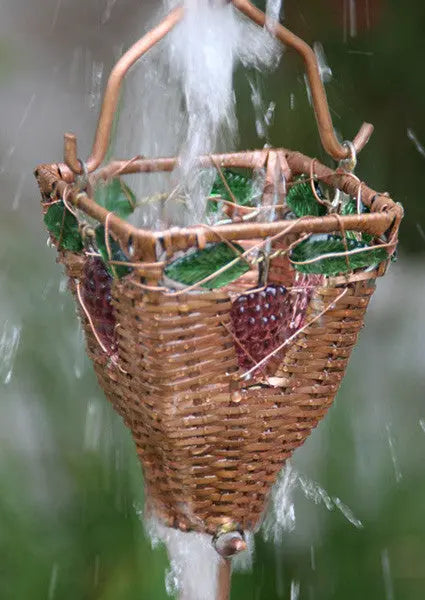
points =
(116, 271)
(62, 224)
(350, 208)
(312, 248)
(302, 201)
(195, 266)
(116, 197)
(242, 188)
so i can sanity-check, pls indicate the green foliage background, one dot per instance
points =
(71, 486)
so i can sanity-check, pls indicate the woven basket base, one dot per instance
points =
(211, 446)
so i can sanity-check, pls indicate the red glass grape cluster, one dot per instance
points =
(96, 295)
(259, 323)
(263, 320)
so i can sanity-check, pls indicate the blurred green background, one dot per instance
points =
(71, 486)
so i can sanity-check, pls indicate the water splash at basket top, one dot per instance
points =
(184, 98)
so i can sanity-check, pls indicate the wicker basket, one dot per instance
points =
(210, 439)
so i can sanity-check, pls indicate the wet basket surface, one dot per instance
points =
(210, 438)
(212, 424)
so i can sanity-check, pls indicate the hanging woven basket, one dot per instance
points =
(220, 377)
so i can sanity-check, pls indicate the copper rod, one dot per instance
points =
(297, 162)
(110, 101)
(320, 103)
(186, 237)
(384, 212)
(248, 160)
(224, 579)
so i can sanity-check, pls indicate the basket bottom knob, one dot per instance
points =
(229, 543)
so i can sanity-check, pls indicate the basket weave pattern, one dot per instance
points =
(211, 445)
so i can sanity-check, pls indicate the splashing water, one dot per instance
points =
(107, 11)
(348, 513)
(9, 343)
(281, 516)
(263, 115)
(413, 138)
(325, 70)
(274, 10)
(295, 590)
(185, 88)
(53, 581)
(95, 79)
(313, 491)
(193, 559)
(394, 458)
(193, 562)
(350, 19)
(386, 573)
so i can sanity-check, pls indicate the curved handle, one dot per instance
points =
(324, 122)
(320, 103)
(111, 97)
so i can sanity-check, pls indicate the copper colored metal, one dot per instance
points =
(320, 103)
(110, 101)
(111, 97)
(384, 212)
(224, 579)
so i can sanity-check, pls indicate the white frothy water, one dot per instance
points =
(274, 10)
(182, 102)
(193, 562)
(263, 114)
(325, 70)
(280, 518)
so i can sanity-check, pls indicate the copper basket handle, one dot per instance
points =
(321, 108)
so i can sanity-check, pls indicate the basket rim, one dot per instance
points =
(384, 216)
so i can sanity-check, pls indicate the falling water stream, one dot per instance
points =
(185, 88)
(183, 101)
(178, 100)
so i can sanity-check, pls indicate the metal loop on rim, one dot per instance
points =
(349, 163)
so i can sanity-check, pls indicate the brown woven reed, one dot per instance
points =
(211, 442)
(210, 439)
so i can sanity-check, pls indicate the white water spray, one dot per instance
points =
(281, 517)
(183, 102)
(193, 562)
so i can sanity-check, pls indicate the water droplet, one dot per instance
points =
(386, 572)
(9, 343)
